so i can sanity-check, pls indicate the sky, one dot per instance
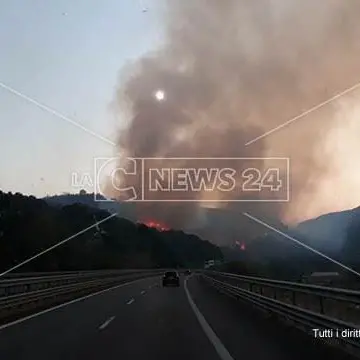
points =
(65, 55)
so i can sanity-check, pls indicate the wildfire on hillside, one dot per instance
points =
(155, 225)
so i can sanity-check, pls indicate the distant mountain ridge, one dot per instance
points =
(71, 199)
(329, 231)
(326, 233)
(335, 235)
(269, 253)
(125, 210)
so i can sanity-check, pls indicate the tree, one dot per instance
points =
(29, 225)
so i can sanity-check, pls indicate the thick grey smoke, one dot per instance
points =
(232, 70)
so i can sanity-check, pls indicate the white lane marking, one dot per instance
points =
(220, 348)
(106, 323)
(65, 304)
(130, 302)
(143, 292)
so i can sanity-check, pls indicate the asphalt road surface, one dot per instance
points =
(142, 320)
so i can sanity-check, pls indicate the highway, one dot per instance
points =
(142, 320)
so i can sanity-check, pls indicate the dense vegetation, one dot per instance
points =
(29, 225)
(279, 257)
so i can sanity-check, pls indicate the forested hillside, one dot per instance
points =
(29, 225)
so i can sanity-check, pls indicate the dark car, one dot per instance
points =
(187, 272)
(171, 278)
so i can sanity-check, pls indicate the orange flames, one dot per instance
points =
(156, 225)
(241, 245)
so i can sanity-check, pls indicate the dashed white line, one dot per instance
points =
(130, 302)
(143, 292)
(2, 327)
(219, 347)
(106, 323)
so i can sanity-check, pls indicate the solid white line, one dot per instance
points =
(130, 302)
(301, 244)
(220, 348)
(54, 112)
(65, 304)
(56, 245)
(106, 323)
(307, 112)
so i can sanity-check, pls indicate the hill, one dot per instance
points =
(335, 235)
(329, 232)
(125, 210)
(29, 225)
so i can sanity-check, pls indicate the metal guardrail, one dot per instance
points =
(22, 275)
(26, 283)
(23, 294)
(306, 306)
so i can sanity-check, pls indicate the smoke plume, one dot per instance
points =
(233, 70)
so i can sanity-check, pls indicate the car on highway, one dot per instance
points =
(187, 272)
(171, 278)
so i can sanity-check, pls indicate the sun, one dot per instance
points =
(159, 95)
